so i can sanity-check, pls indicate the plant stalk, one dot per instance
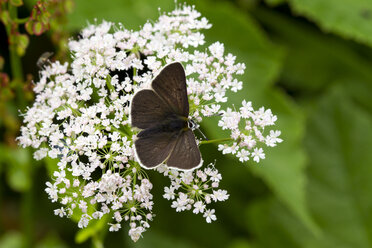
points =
(15, 60)
(215, 141)
(27, 220)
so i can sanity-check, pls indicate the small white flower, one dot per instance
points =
(198, 207)
(41, 153)
(209, 215)
(258, 154)
(135, 233)
(60, 212)
(169, 193)
(243, 155)
(84, 221)
(114, 227)
(220, 195)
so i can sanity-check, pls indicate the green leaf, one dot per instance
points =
(153, 239)
(51, 241)
(348, 18)
(16, 3)
(22, 44)
(240, 243)
(5, 17)
(51, 165)
(37, 28)
(339, 144)
(274, 3)
(18, 167)
(93, 229)
(284, 174)
(29, 26)
(272, 225)
(2, 62)
(11, 240)
(314, 59)
(132, 14)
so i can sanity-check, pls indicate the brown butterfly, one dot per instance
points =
(162, 112)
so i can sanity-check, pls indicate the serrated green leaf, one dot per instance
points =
(348, 18)
(339, 145)
(284, 174)
(340, 168)
(313, 60)
(272, 225)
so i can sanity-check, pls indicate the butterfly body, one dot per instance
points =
(162, 114)
(172, 124)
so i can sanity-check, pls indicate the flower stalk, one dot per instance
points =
(203, 142)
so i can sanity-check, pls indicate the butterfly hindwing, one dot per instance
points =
(154, 147)
(186, 154)
(170, 85)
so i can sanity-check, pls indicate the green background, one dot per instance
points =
(307, 60)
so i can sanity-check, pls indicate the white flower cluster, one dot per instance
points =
(196, 189)
(247, 132)
(81, 118)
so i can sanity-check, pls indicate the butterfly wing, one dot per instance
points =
(154, 146)
(186, 154)
(170, 85)
(148, 109)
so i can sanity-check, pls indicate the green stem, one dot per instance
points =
(74, 111)
(98, 239)
(22, 20)
(215, 141)
(125, 133)
(27, 220)
(96, 242)
(15, 60)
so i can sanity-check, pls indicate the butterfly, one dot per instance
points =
(162, 114)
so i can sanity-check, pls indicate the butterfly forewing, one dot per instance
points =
(153, 148)
(148, 109)
(170, 85)
(186, 154)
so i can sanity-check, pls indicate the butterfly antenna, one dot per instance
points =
(193, 125)
(205, 137)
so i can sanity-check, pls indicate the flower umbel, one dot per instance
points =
(81, 118)
(200, 188)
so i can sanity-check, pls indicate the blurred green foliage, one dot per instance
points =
(310, 61)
